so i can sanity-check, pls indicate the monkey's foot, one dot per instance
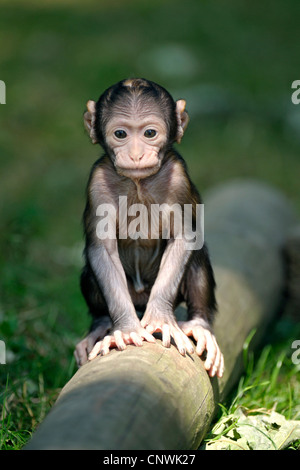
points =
(120, 339)
(85, 346)
(214, 362)
(169, 328)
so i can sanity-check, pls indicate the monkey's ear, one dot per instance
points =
(89, 120)
(182, 119)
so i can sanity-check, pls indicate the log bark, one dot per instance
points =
(152, 398)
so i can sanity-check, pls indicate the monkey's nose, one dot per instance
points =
(136, 158)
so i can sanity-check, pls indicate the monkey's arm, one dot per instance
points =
(159, 312)
(111, 278)
(110, 275)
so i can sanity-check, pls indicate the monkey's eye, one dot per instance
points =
(120, 134)
(150, 133)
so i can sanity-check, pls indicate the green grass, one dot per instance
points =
(234, 63)
(270, 382)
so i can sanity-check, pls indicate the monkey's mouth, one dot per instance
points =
(138, 173)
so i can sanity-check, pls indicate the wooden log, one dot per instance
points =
(152, 398)
(246, 226)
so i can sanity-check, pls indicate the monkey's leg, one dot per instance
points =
(99, 328)
(198, 292)
(101, 321)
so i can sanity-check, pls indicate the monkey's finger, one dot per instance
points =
(78, 358)
(201, 342)
(216, 368)
(147, 336)
(166, 336)
(119, 340)
(126, 338)
(190, 331)
(216, 364)
(150, 328)
(219, 364)
(144, 322)
(188, 345)
(221, 367)
(80, 353)
(136, 339)
(90, 342)
(211, 351)
(107, 343)
(101, 347)
(95, 351)
(179, 342)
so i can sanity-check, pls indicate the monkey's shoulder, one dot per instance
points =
(103, 181)
(174, 179)
(192, 188)
(101, 167)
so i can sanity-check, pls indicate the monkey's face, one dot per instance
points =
(135, 141)
(136, 121)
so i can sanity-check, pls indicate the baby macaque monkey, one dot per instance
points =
(137, 122)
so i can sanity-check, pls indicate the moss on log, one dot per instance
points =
(153, 398)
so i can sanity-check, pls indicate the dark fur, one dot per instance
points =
(197, 287)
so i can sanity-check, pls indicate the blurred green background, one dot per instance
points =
(234, 63)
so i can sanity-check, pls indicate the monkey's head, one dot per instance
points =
(136, 121)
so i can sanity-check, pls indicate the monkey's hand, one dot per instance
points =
(154, 321)
(119, 339)
(214, 362)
